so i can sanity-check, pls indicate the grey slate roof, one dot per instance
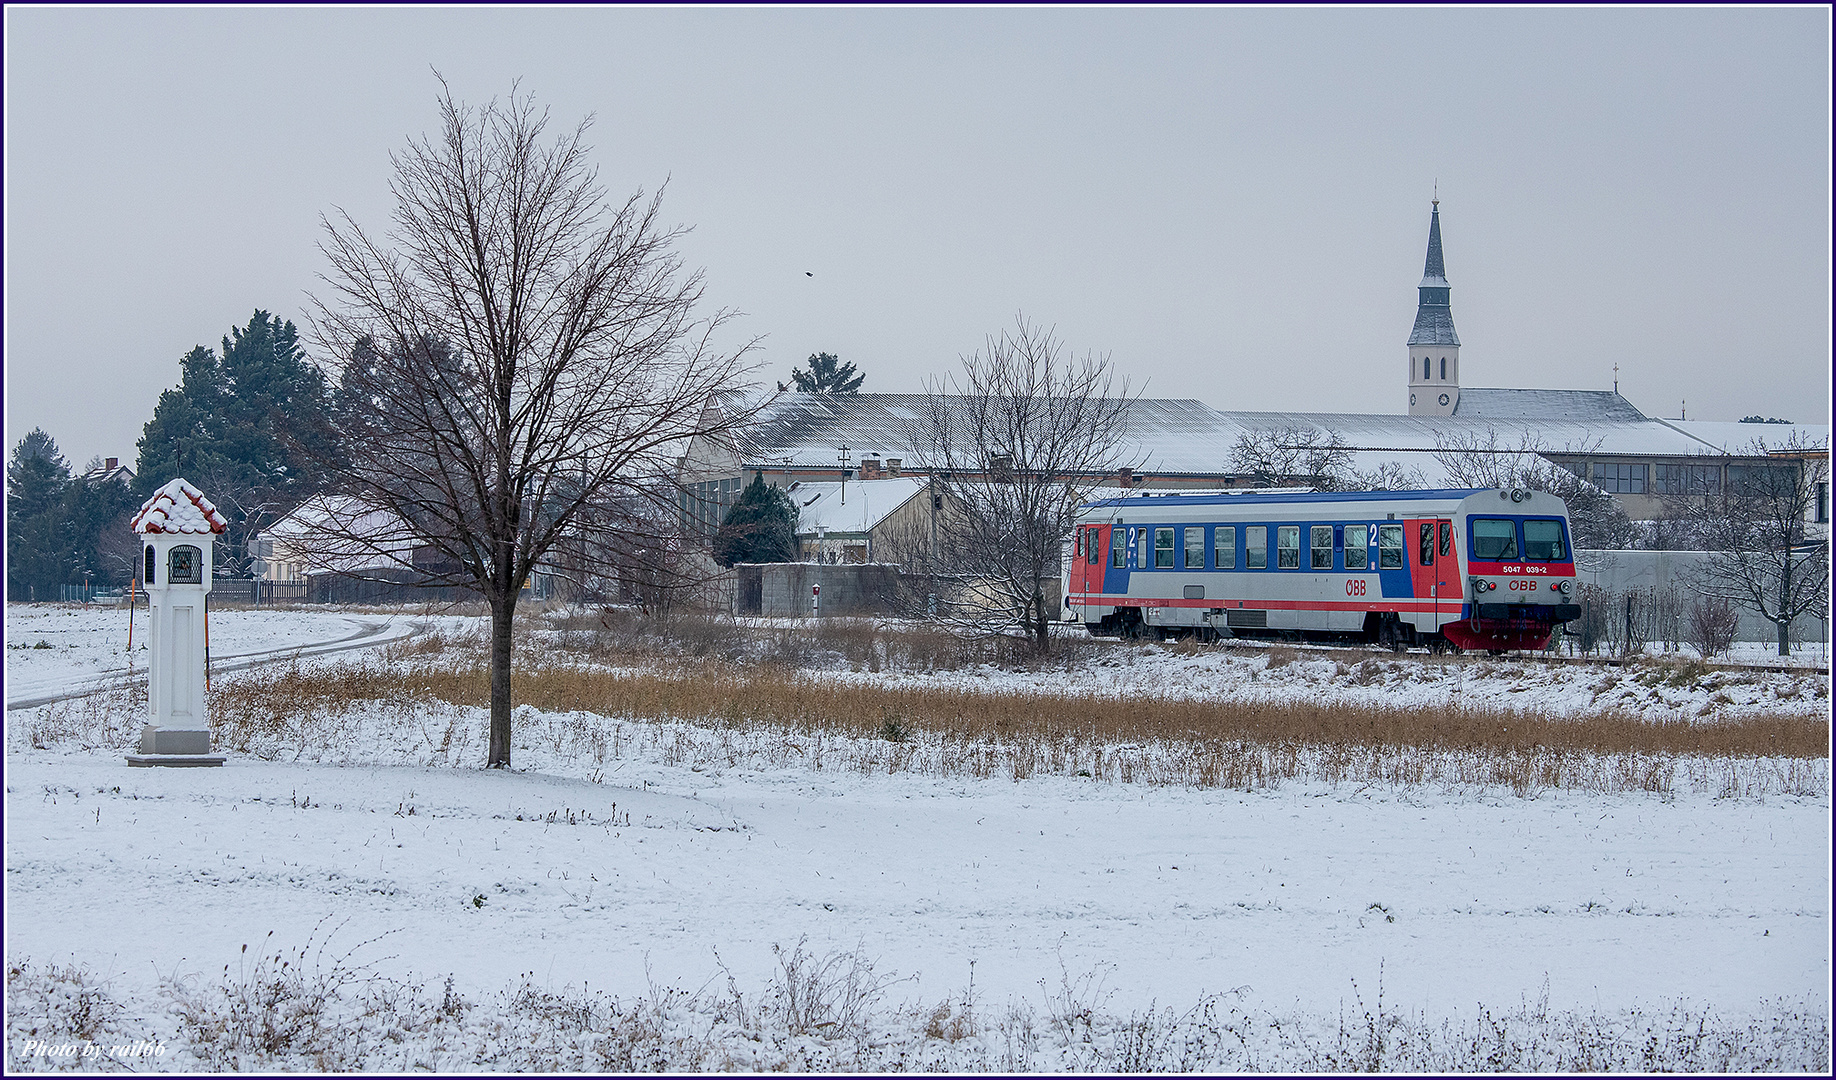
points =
(1434, 326)
(1573, 406)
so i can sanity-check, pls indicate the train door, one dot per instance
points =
(1447, 593)
(1093, 553)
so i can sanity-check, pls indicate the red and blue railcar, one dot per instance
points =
(1471, 568)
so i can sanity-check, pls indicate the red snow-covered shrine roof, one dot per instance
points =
(179, 508)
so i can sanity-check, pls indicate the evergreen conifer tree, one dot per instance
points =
(828, 374)
(761, 527)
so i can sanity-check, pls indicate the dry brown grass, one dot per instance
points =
(723, 715)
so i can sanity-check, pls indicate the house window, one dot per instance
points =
(1256, 547)
(1357, 557)
(1163, 549)
(1287, 547)
(1823, 503)
(1622, 477)
(1195, 548)
(1322, 547)
(1224, 541)
(1389, 547)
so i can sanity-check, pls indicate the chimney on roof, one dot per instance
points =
(892, 466)
(870, 468)
(113, 463)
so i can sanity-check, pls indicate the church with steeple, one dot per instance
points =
(1434, 348)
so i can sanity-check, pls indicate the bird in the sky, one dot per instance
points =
(806, 273)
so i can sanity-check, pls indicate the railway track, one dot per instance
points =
(1373, 650)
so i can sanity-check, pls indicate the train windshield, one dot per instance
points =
(1543, 540)
(1494, 538)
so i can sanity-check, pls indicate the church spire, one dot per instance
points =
(1436, 270)
(1434, 348)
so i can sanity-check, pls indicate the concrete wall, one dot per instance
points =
(783, 589)
(1664, 570)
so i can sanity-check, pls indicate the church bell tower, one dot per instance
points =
(1434, 348)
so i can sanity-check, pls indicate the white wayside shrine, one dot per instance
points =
(176, 526)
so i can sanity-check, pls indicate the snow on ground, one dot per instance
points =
(656, 869)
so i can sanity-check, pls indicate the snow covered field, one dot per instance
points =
(1055, 908)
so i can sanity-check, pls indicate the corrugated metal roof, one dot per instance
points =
(1731, 437)
(1188, 437)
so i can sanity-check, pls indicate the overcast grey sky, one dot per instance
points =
(1232, 204)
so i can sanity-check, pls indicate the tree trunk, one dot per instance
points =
(1784, 626)
(502, 610)
(1041, 639)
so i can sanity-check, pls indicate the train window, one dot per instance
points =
(1543, 540)
(1141, 558)
(1389, 547)
(1118, 546)
(1195, 548)
(1163, 549)
(1224, 539)
(1494, 538)
(1322, 547)
(1427, 543)
(1446, 538)
(1287, 547)
(1356, 556)
(1256, 547)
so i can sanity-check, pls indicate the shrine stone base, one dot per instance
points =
(174, 761)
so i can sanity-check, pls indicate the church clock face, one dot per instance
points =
(1443, 399)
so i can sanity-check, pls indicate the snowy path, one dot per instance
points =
(242, 640)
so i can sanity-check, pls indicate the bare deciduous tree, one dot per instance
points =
(517, 355)
(1595, 518)
(1768, 556)
(1314, 457)
(1017, 442)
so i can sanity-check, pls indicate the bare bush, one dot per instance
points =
(1713, 622)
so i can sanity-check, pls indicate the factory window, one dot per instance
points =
(1625, 478)
(1686, 479)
